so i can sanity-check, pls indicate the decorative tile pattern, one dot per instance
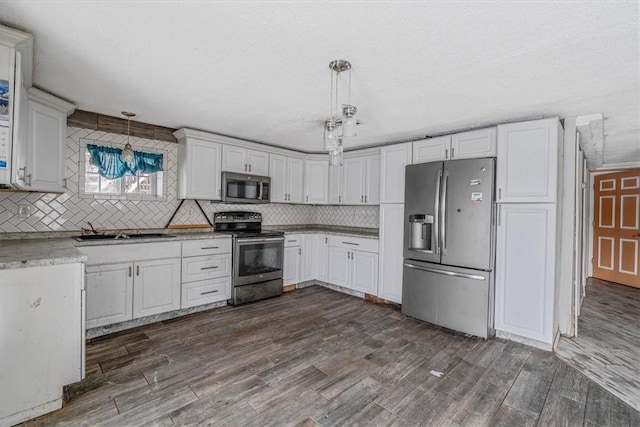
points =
(70, 212)
(349, 216)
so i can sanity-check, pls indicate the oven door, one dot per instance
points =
(257, 260)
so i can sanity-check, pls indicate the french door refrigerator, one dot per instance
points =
(449, 244)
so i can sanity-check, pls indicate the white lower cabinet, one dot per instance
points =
(353, 263)
(156, 287)
(42, 345)
(339, 261)
(292, 263)
(206, 271)
(391, 251)
(124, 291)
(307, 247)
(109, 294)
(525, 271)
(320, 256)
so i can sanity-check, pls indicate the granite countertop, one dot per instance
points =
(52, 249)
(38, 252)
(367, 233)
(171, 237)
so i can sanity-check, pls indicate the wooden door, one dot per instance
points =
(616, 236)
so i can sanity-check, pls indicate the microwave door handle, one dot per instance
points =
(260, 191)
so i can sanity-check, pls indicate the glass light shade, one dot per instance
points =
(335, 156)
(349, 121)
(127, 154)
(331, 137)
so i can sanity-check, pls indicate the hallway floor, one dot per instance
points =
(607, 348)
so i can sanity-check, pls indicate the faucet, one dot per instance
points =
(90, 229)
(121, 235)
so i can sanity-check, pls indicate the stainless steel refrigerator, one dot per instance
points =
(449, 244)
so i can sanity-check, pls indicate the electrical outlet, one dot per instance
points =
(24, 211)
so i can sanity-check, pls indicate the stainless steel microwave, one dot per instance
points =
(243, 188)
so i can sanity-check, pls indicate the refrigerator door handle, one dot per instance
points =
(443, 204)
(445, 272)
(436, 208)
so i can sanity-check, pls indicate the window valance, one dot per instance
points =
(111, 166)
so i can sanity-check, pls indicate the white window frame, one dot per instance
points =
(82, 173)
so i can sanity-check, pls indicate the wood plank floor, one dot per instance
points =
(318, 357)
(607, 348)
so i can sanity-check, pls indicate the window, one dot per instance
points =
(141, 186)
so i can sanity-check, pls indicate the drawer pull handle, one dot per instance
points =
(291, 241)
(209, 268)
(349, 243)
(210, 247)
(208, 292)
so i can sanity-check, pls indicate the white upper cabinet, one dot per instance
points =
(198, 167)
(336, 195)
(527, 164)
(286, 179)
(465, 145)
(243, 160)
(42, 147)
(316, 181)
(394, 159)
(431, 150)
(361, 180)
(474, 144)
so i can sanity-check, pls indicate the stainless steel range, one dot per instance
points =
(257, 256)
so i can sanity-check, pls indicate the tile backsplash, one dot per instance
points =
(70, 212)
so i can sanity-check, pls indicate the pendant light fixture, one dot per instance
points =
(127, 152)
(338, 127)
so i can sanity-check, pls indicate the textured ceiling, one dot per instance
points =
(259, 70)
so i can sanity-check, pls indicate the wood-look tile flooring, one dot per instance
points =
(607, 348)
(318, 357)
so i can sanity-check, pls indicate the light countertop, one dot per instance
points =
(367, 233)
(38, 252)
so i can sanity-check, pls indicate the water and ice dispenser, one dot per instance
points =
(421, 228)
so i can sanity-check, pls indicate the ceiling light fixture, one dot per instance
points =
(127, 152)
(333, 136)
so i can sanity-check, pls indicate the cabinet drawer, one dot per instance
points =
(205, 291)
(354, 243)
(205, 267)
(292, 240)
(206, 247)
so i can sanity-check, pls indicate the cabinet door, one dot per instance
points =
(316, 181)
(354, 170)
(394, 160)
(258, 162)
(431, 150)
(291, 265)
(320, 256)
(339, 272)
(525, 270)
(527, 164)
(474, 144)
(308, 257)
(278, 168)
(109, 294)
(372, 181)
(364, 272)
(295, 178)
(156, 287)
(199, 169)
(336, 195)
(391, 251)
(234, 159)
(46, 149)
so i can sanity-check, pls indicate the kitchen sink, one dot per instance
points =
(91, 237)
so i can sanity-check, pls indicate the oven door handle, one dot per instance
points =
(242, 241)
